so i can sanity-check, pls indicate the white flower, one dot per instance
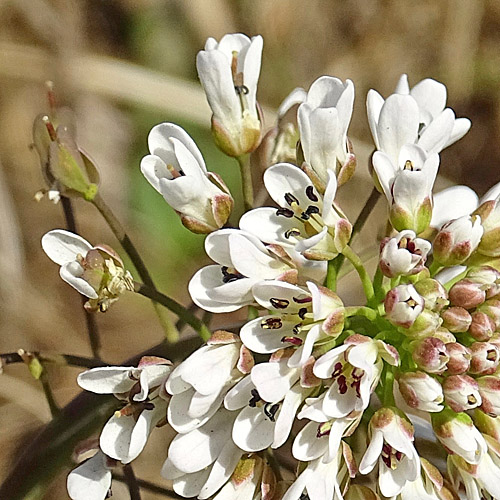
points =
(352, 371)
(458, 435)
(243, 260)
(421, 391)
(403, 255)
(457, 240)
(307, 222)
(126, 432)
(96, 272)
(198, 385)
(391, 446)
(229, 72)
(201, 461)
(416, 116)
(298, 317)
(427, 486)
(91, 480)
(403, 304)
(324, 480)
(452, 203)
(407, 181)
(176, 169)
(323, 121)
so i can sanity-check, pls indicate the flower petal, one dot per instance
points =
(107, 379)
(62, 246)
(90, 480)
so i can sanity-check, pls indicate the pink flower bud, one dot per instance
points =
(485, 358)
(457, 239)
(461, 393)
(492, 308)
(482, 326)
(456, 319)
(467, 294)
(421, 391)
(460, 357)
(489, 388)
(489, 212)
(403, 255)
(430, 355)
(403, 305)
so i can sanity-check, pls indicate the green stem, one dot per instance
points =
(175, 307)
(454, 280)
(363, 275)
(246, 181)
(434, 268)
(378, 281)
(92, 329)
(389, 387)
(131, 481)
(171, 332)
(332, 272)
(367, 312)
(49, 395)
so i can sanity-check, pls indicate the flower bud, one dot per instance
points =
(403, 305)
(460, 357)
(457, 239)
(489, 212)
(403, 255)
(486, 424)
(489, 388)
(482, 326)
(458, 435)
(467, 294)
(430, 355)
(434, 294)
(489, 279)
(492, 308)
(456, 319)
(66, 168)
(461, 393)
(421, 391)
(229, 72)
(485, 358)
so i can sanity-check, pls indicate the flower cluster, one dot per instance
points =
(351, 388)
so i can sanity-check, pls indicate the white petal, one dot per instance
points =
(265, 340)
(154, 169)
(430, 96)
(286, 417)
(62, 246)
(452, 203)
(402, 87)
(434, 137)
(151, 376)
(324, 366)
(91, 480)
(307, 446)
(386, 171)
(107, 379)
(253, 430)
(190, 485)
(292, 297)
(460, 128)
(273, 380)
(374, 103)
(70, 273)
(372, 453)
(240, 394)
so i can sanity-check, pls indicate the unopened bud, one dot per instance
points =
(489, 388)
(456, 319)
(467, 294)
(457, 239)
(485, 358)
(421, 391)
(482, 326)
(434, 294)
(430, 355)
(403, 304)
(459, 358)
(486, 424)
(489, 212)
(461, 393)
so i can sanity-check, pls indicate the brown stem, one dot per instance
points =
(132, 483)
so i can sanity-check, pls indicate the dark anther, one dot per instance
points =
(302, 312)
(241, 89)
(310, 193)
(296, 329)
(297, 341)
(290, 198)
(279, 303)
(312, 209)
(271, 324)
(228, 277)
(149, 406)
(270, 411)
(304, 216)
(291, 232)
(286, 212)
(305, 300)
(255, 398)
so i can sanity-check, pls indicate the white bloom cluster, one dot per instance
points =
(340, 383)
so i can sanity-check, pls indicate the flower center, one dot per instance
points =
(390, 456)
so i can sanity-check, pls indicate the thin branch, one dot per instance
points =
(149, 486)
(246, 180)
(132, 483)
(9, 358)
(92, 328)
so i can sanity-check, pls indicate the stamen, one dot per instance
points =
(304, 300)
(302, 312)
(279, 303)
(271, 324)
(310, 193)
(241, 89)
(291, 232)
(254, 399)
(270, 411)
(290, 199)
(293, 340)
(286, 212)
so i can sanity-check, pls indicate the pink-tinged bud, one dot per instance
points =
(421, 391)
(458, 435)
(482, 326)
(492, 308)
(457, 239)
(456, 319)
(467, 294)
(461, 393)
(427, 323)
(430, 355)
(403, 255)
(434, 294)
(403, 305)
(460, 357)
(485, 358)
(489, 212)
(489, 388)
(489, 279)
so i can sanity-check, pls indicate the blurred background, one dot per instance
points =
(126, 65)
